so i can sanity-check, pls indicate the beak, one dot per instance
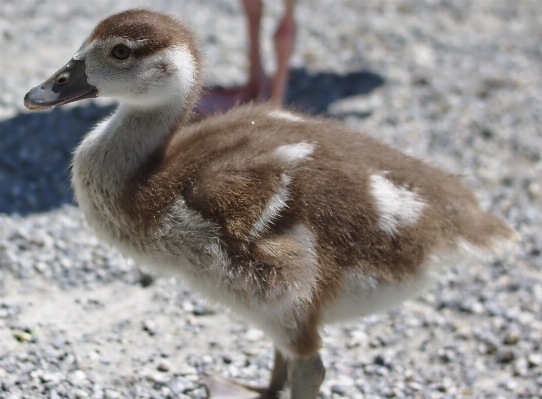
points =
(67, 85)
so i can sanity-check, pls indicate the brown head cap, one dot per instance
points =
(157, 31)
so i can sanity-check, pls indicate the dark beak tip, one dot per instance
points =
(29, 102)
(33, 102)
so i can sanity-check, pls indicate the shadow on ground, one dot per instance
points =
(314, 92)
(35, 156)
(35, 148)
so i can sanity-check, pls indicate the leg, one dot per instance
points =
(220, 388)
(257, 81)
(284, 46)
(306, 376)
(279, 376)
(256, 88)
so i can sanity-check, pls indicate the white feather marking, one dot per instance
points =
(293, 153)
(275, 205)
(279, 114)
(397, 206)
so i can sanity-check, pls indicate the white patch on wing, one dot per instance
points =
(287, 116)
(293, 153)
(275, 205)
(290, 154)
(397, 206)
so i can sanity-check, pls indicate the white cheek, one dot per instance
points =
(184, 67)
(100, 75)
(124, 83)
(165, 77)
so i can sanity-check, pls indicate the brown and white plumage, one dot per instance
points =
(291, 221)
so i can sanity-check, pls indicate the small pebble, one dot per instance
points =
(511, 339)
(164, 365)
(80, 394)
(112, 394)
(521, 367)
(535, 359)
(150, 326)
(22, 336)
(505, 356)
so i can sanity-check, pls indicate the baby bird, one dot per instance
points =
(290, 221)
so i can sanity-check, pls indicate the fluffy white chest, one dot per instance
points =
(183, 244)
(107, 158)
(100, 166)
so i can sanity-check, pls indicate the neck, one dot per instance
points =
(133, 133)
(117, 148)
(138, 132)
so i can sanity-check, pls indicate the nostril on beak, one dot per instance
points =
(62, 79)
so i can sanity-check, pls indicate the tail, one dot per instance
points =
(485, 233)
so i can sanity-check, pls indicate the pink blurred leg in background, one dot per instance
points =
(284, 47)
(259, 87)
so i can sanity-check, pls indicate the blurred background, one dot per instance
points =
(457, 83)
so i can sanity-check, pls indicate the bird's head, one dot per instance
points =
(137, 57)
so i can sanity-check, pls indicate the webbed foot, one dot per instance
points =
(221, 388)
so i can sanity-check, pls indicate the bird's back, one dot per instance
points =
(283, 187)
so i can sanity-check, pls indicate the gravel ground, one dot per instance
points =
(456, 83)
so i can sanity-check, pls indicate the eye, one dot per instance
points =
(120, 52)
